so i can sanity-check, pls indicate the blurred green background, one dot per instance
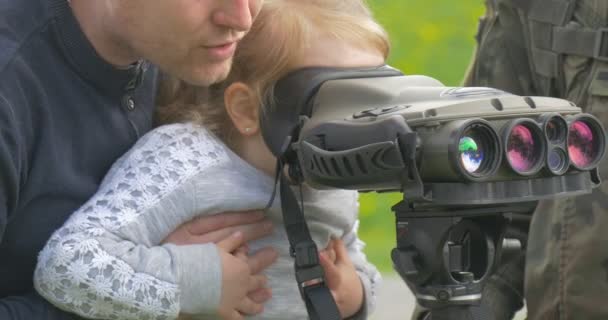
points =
(429, 37)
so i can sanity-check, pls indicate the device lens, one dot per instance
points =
(556, 161)
(478, 152)
(556, 130)
(583, 145)
(523, 148)
(471, 153)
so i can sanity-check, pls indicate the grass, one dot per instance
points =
(430, 37)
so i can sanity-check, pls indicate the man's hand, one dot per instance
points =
(342, 278)
(240, 276)
(220, 229)
(213, 229)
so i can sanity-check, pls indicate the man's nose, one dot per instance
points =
(237, 14)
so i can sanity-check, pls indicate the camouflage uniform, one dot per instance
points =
(553, 48)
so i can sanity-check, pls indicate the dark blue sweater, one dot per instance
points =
(65, 117)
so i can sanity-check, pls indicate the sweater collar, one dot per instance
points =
(81, 55)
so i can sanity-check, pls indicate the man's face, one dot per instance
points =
(193, 40)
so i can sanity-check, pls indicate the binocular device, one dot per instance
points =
(468, 162)
(377, 130)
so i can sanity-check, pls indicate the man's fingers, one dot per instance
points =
(260, 295)
(257, 230)
(332, 273)
(252, 231)
(231, 243)
(262, 259)
(213, 229)
(205, 224)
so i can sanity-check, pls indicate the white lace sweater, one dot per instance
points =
(106, 262)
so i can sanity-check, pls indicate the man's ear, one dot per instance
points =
(243, 108)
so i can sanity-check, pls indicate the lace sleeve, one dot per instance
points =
(98, 267)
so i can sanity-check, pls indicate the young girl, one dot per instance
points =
(108, 260)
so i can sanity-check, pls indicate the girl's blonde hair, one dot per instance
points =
(273, 48)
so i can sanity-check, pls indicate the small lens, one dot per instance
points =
(556, 130)
(523, 150)
(583, 146)
(471, 154)
(556, 161)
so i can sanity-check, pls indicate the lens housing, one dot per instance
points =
(557, 161)
(476, 150)
(525, 146)
(555, 128)
(586, 141)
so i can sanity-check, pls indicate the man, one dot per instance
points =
(77, 86)
(552, 48)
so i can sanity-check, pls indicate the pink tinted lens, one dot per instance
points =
(521, 151)
(582, 145)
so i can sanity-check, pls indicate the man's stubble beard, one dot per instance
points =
(209, 76)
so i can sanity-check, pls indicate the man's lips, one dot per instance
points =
(222, 51)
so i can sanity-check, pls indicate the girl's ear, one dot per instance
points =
(243, 108)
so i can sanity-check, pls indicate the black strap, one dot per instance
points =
(309, 274)
(320, 303)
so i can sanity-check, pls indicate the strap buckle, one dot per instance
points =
(308, 271)
(310, 278)
(306, 254)
(600, 52)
